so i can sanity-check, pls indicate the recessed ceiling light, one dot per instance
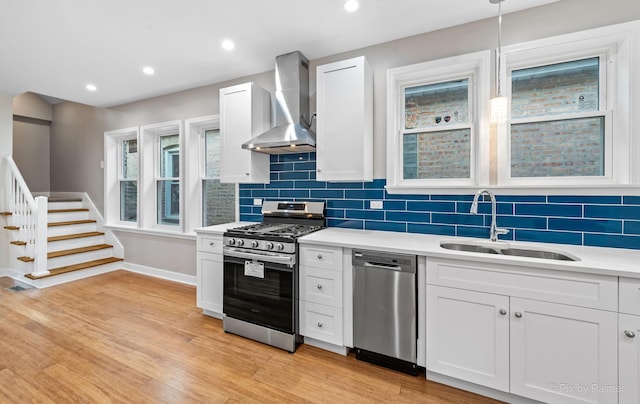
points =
(148, 70)
(351, 5)
(227, 44)
(91, 87)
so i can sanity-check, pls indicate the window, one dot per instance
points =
(122, 177)
(161, 177)
(569, 111)
(168, 181)
(129, 180)
(218, 199)
(436, 133)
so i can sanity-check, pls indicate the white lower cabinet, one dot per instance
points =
(563, 354)
(468, 336)
(542, 350)
(629, 358)
(324, 297)
(209, 275)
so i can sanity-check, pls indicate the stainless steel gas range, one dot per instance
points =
(260, 295)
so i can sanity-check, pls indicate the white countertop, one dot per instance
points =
(595, 260)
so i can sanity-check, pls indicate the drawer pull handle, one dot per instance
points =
(518, 315)
(212, 244)
(503, 312)
(319, 286)
(319, 324)
(630, 334)
(319, 256)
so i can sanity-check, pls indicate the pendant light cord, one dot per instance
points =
(499, 69)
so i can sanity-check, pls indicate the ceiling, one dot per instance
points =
(57, 47)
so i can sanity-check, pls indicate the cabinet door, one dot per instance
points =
(210, 281)
(629, 360)
(242, 116)
(468, 336)
(345, 121)
(563, 354)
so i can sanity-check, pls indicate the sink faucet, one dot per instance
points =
(495, 230)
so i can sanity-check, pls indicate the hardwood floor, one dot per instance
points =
(128, 338)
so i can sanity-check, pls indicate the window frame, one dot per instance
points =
(475, 67)
(113, 175)
(618, 60)
(150, 140)
(195, 168)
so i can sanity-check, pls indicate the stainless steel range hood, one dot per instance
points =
(291, 133)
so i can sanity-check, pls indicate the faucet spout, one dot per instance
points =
(494, 230)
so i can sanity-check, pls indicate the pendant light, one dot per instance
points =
(499, 105)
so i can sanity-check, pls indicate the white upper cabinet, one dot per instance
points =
(344, 129)
(244, 113)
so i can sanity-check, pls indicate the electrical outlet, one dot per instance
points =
(257, 202)
(102, 164)
(375, 205)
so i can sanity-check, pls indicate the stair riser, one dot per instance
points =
(78, 258)
(64, 205)
(74, 243)
(70, 229)
(67, 216)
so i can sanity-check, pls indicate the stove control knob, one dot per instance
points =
(269, 246)
(240, 243)
(254, 244)
(231, 241)
(280, 247)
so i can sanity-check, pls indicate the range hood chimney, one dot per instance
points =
(291, 133)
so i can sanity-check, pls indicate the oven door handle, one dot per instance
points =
(267, 257)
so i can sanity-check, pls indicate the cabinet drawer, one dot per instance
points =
(321, 257)
(578, 289)
(321, 322)
(210, 243)
(321, 286)
(630, 296)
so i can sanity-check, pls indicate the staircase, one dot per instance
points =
(65, 243)
(75, 247)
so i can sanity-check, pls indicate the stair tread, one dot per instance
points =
(18, 242)
(54, 199)
(75, 235)
(71, 251)
(79, 250)
(76, 267)
(11, 228)
(72, 222)
(68, 210)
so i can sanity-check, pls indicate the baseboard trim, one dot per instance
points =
(160, 273)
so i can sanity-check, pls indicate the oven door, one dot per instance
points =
(259, 292)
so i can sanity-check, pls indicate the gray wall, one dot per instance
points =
(6, 147)
(77, 149)
(77, 143)
(31, 145)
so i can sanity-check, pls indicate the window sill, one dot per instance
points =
(152, 232)
(519, 190)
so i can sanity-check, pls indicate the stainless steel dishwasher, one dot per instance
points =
(385, 309)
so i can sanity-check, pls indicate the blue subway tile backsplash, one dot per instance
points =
(605, 221)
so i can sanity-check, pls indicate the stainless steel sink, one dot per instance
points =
(468, 248)
(519, 252)
(549, 255)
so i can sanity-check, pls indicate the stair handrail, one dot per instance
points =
(29, 214)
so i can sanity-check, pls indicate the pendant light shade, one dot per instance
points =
(499, 106)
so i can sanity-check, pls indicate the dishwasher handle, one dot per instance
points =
(379, 265)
